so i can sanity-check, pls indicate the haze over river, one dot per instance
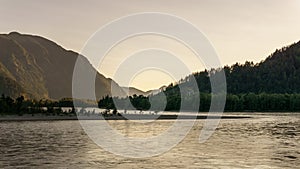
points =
(267, 140)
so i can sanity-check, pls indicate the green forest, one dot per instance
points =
(271, 85)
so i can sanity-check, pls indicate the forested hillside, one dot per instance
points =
(271, 85)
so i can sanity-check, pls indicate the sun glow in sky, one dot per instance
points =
(146, 51)
(239, 30)
(151, 83)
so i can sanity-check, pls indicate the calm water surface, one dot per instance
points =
(265, 141)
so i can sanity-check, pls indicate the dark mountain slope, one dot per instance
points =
(39, 68)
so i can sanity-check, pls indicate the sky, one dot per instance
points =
(239, 30)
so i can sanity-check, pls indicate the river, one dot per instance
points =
(266, 140)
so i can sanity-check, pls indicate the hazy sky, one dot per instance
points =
(239, 30)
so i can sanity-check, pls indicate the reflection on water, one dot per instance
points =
(265, 141)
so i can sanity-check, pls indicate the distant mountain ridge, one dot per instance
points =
(38, 68)
(134, 91)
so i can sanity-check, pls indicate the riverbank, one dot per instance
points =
(115, 117)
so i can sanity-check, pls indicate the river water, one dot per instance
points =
(263, 141)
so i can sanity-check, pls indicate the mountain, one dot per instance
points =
(39, 68)
(278, 73)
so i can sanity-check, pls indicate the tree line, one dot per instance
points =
(249, 102)
(20, 106)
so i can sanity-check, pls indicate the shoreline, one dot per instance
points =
(116, 117)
